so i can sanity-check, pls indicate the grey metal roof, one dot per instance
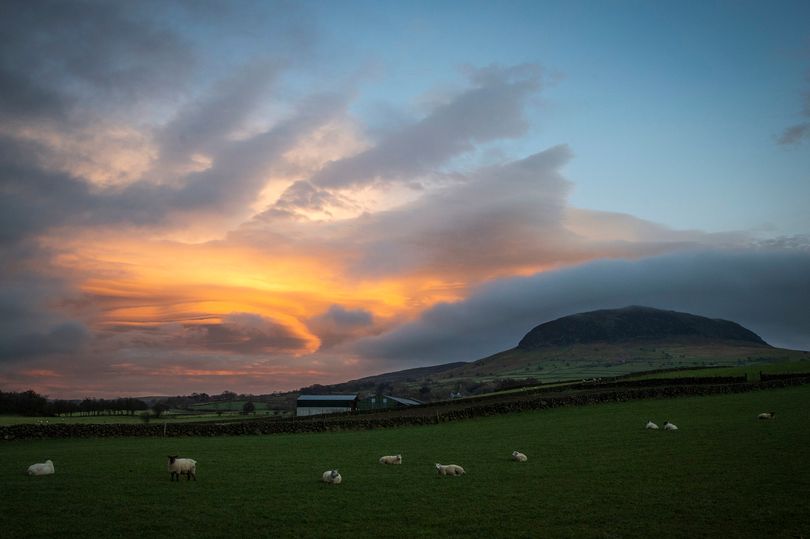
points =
(327, 397)
(403, 400)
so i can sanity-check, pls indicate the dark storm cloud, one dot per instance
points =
(765, 291)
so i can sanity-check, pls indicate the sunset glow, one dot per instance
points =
(261, 196)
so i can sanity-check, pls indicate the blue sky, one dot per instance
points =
(256, 196)
(672, 109)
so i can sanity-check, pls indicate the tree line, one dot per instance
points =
(30, 403)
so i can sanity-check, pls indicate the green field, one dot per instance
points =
(171, 417)
(592, 472)
(752, 371)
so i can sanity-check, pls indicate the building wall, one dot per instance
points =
(314, 410)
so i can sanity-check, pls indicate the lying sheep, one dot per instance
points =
(767, 415)
(651, 425)
(178, 467)
(449, 469)
(332, 476)
(518, 456)
(391, 459)
(669, 426)
(41, 468)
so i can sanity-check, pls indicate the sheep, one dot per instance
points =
(41, 468)
(518, 456)
(767, 415)
(449, 469)
(178, 467)
(651, 425)
(391, 459)
(332, 476)
(669, 426)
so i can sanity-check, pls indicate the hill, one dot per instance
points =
(635, 323)
(596, 344)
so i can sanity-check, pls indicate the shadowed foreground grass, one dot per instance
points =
(592, 472)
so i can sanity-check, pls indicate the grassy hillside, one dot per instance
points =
(752, 371)
(605, 359)
(592, 472)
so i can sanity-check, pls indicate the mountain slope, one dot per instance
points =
(634, 323)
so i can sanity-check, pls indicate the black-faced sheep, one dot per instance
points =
(178, 467)
(669, 426)
(332, 476)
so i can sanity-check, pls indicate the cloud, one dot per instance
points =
(58, 56)
(765, 291)
(795, 134)
(491, 109)
(340, 324)
(245, 333)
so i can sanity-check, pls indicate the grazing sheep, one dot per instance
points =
(391, 459)
(669, 426)
(651, 425)
(767, 415)
(178, 467)
(518, 456)
(332, 476)
(449, 469)
(41, 468)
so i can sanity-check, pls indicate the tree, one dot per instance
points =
(248, 408)
(158, 408)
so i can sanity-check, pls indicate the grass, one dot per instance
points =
(592, 472)
(752, 371)
(174, 416)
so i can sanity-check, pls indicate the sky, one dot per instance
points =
(205, 196)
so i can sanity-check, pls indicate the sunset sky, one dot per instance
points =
(258, 196)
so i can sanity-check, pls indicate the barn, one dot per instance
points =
(325, 404)
(386, 401)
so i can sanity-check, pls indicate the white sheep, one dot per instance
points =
(669, 426)
(449, 469)
(767, 415)
(178, 467)
(518, 456)
(391, 459)
(41, 468)
(651, 425)
(332, 476)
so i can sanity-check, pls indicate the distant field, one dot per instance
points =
(593, 471)
(752, 371)
(233, 406)
(172, 417)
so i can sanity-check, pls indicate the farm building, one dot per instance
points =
(376, 402)
(325, 404)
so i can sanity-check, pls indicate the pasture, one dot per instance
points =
(592, 472)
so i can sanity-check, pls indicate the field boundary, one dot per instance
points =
(417, 415)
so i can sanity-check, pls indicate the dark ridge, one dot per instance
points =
(634, 323)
